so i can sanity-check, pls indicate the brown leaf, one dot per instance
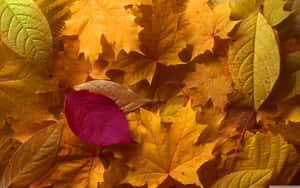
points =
(33, 158)
(124, 97)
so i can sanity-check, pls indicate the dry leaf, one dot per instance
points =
(206, 24)
(124, 97)
(209, 83)
(93, 19)
(33, 158)
(169, 151)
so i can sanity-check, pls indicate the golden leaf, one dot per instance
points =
(169, 151)
(206, 24)
(93, 19)
(268, 151)
(161, 42)
(209, 83)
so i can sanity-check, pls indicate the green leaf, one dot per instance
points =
(245, 178)
(25, 30)
(254, 60)
(33, 158)
(274, 11)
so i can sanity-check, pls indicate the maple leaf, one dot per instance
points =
(209, 83)
(93, 19)
(161, 42)
(72, 69)
(268, 151)
(69, 68)
(206, 24)
(169, 151)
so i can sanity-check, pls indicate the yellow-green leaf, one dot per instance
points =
(254, 60)
(25, 30)
(245, 178)
(268, 151)
(274, 12)
(34, 158)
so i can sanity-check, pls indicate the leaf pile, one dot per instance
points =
(149, 93)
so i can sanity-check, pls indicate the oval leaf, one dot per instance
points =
(254, 60)
(96, 119)
(25, 30)
(33, 158)
(125, 98)
(246, 178)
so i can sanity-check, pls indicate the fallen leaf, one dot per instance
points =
(209, 82)
(124, 97)
(243, 8)
(268, 151)
(33, 158)
(56, 12)
(274, 11)
(69, 68)
(31, 36)
(96, 119)
(254, 60)
(8, 146)
(77, 165)
(246, 178)
(26, 93)
(169, 151)
(161, 42)
(93, 19)
(206, 24)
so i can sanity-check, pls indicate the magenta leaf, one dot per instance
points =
(96, 118)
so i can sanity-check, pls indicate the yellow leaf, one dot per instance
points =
(26, 92)
(93, 19)
(246, 178)
(69, 68)
(268, 151)
(209, 82)
(274, 11)
(254, 60)
(161, 42)
(169, 151)
(206, 24)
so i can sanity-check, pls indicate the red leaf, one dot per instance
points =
(96, 118)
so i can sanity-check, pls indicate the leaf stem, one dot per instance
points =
(239, 142)
(228, 132)
(174, 82)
